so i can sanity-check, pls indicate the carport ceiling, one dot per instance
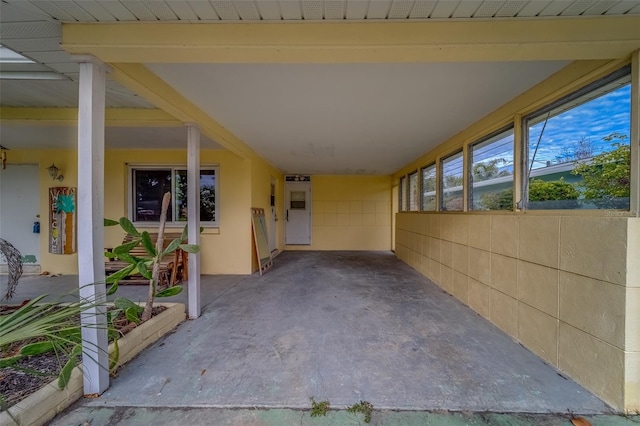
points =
(321, 118)
(349, 118)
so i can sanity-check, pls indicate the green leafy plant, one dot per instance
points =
(319, 408)
(489, 170)
(553, 194)
(149, 265)
(497, 200)
(607, 177)
(363, 407)
(40, 327)
(541, 190)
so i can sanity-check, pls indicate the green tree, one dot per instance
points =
(500, 200)
(556, 194)
(606, 178)
(488, 170)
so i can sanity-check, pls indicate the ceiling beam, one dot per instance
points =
(357, 42)
(139, 79)
(114, 117)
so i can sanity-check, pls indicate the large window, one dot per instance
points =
(491, 173)
(578, 148)
(414, 192)
(149, 184)
(429, 188)
(452, 182)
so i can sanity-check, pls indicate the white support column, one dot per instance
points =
(193, 217)
(91, 108)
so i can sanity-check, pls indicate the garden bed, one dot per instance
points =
(43, 404)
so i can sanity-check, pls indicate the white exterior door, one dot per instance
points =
(297, 228)
(19, 208)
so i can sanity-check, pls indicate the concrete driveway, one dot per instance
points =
(336, 326)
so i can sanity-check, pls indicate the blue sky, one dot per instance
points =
(593, 120)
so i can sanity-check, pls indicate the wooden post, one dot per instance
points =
(193, 217)
(91, 110)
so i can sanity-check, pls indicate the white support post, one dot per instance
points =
(91, 109)
(193, 217)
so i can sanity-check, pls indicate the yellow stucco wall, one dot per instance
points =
(225, 250)
(350, 213)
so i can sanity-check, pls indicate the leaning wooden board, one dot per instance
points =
(259, 224)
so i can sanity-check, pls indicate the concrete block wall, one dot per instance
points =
(566, 287)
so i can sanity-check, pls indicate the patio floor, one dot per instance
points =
(336, 326)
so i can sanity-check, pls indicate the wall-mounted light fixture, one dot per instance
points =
(54, 173)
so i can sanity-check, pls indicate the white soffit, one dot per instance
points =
(350, 118)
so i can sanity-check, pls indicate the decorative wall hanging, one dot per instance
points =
(62, 220)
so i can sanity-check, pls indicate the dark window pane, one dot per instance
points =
(150, 187)
(207, 195)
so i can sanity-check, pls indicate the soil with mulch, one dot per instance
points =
(32, 373)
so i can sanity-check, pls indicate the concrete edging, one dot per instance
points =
(44, 404)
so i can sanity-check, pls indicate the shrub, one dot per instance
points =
(607, 177)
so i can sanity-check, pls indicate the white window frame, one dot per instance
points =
(173, 167)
